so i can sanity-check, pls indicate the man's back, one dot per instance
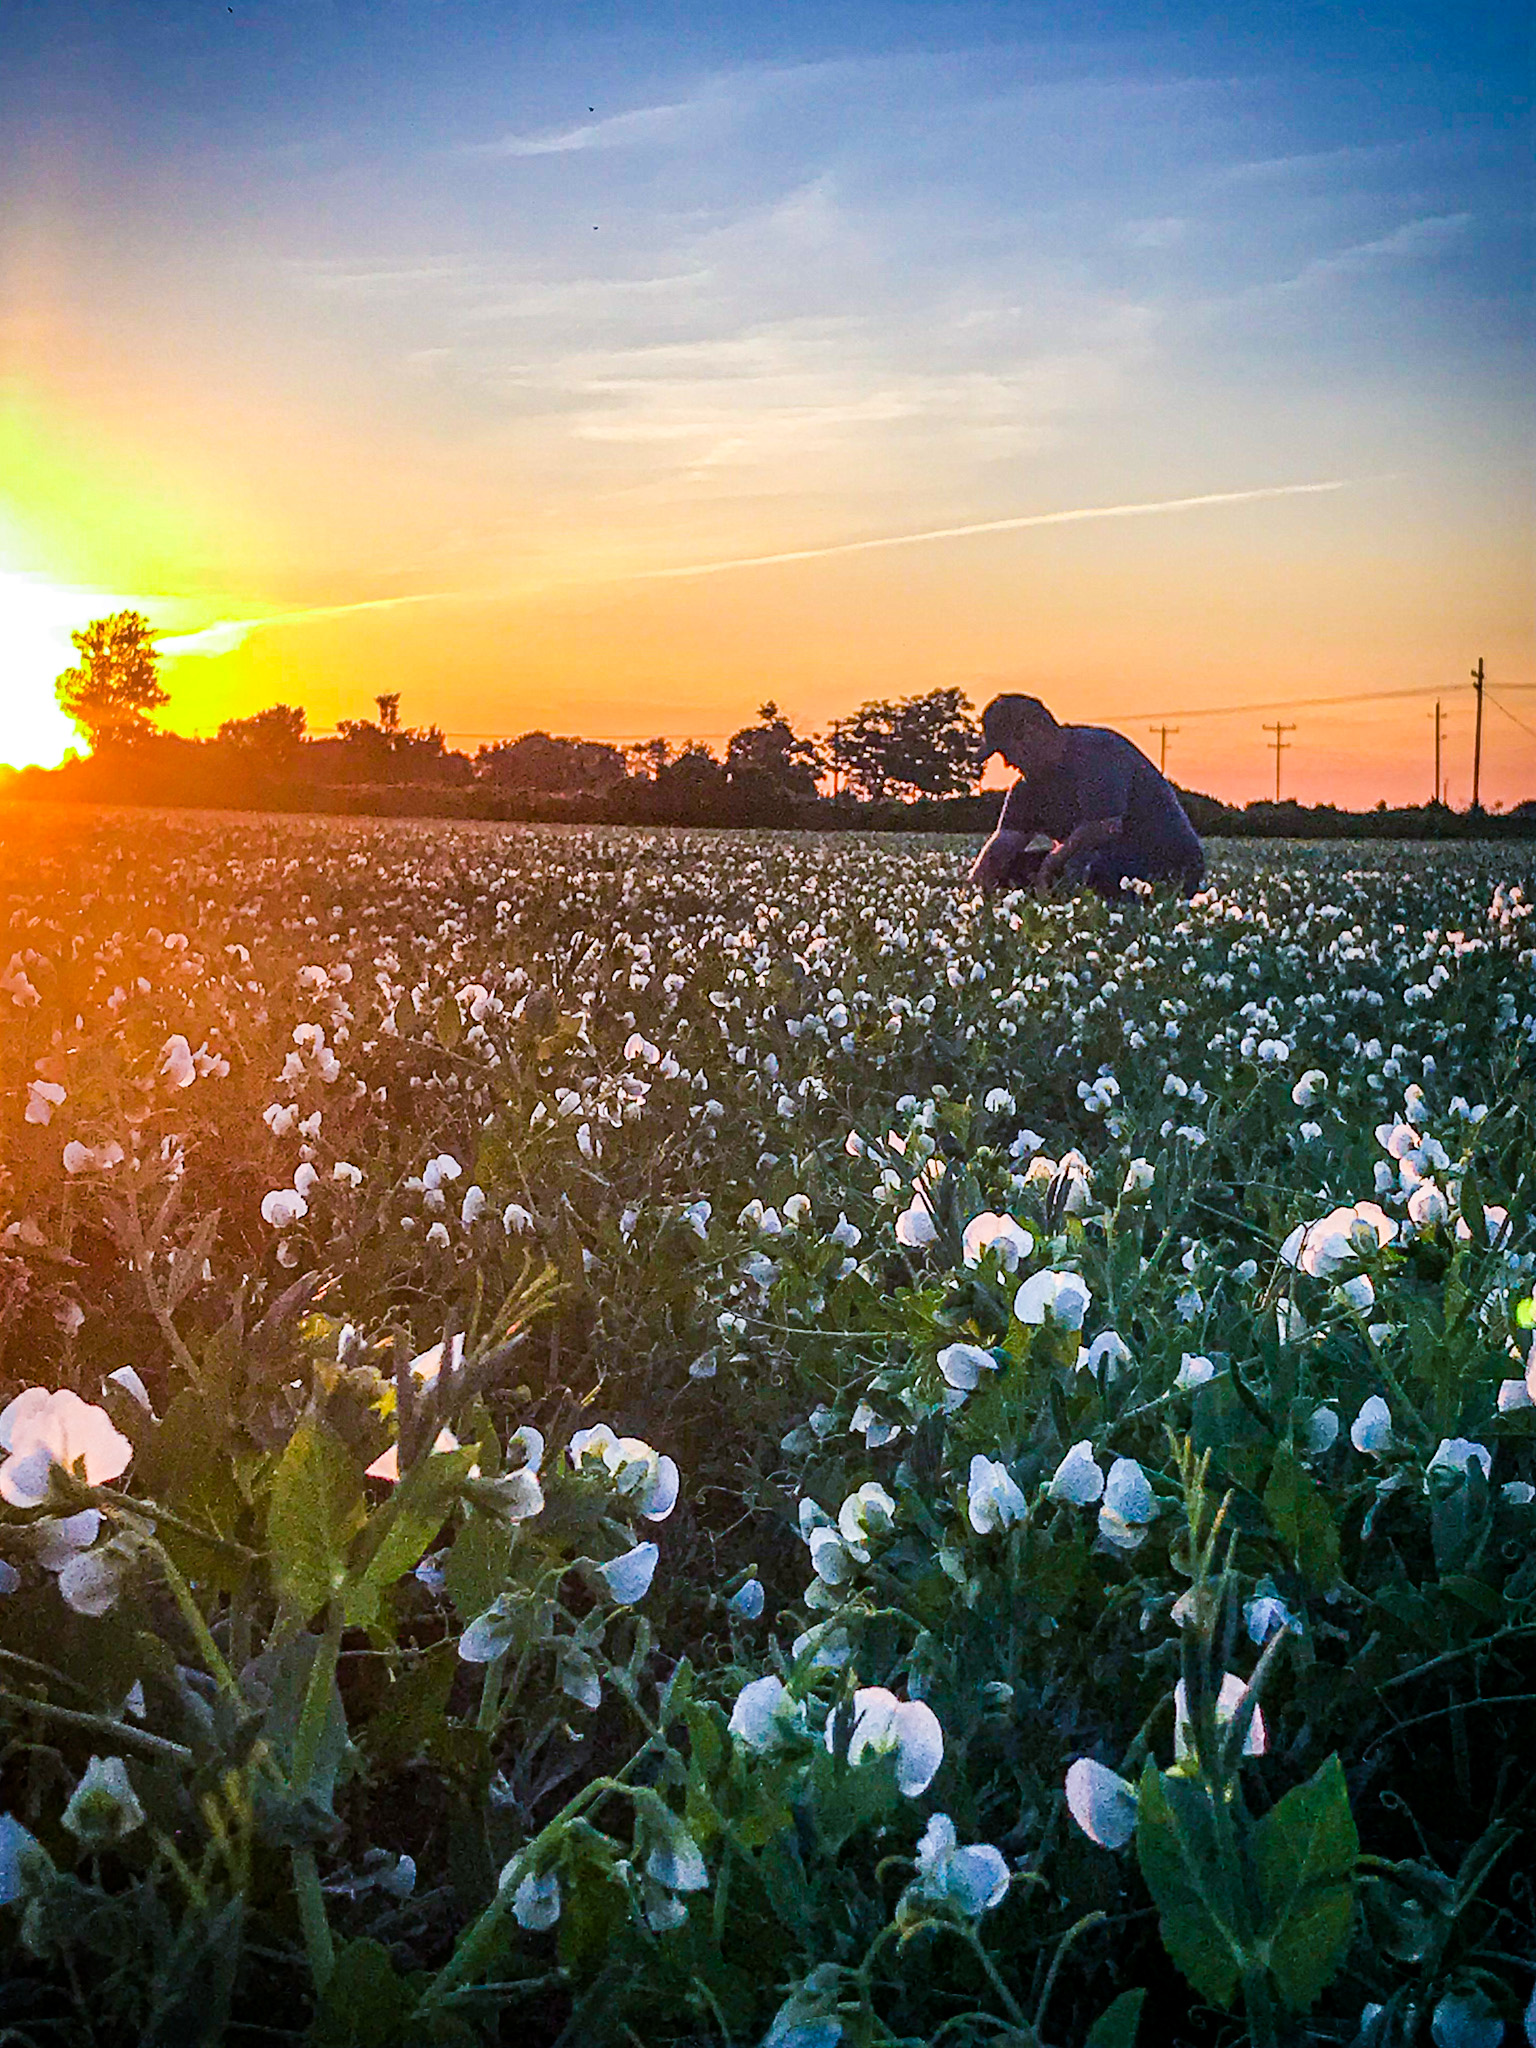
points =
(1102, 775)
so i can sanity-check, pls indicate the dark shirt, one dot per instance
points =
(1104, 776)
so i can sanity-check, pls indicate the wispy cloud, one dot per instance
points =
(616, 131)
(1414, 239)
(225, 635)
(907, 540)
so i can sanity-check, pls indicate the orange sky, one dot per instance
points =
(345, 411)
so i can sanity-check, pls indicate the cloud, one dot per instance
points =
(225, 635)
(904, 540)
(1415, 238)
(616, 131)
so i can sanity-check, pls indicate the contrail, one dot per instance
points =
(907, 540)
(226, 634)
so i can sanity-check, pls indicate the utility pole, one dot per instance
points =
(1477, 742)
(1280, 746)
(1439, 724)
(1162, 732)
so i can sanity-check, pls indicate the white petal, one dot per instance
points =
(1101, 1802)
(1077, 1478)
(628, 1578)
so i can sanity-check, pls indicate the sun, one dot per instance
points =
(36, 620)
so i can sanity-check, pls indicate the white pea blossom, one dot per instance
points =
(994, 1501)
(1002, 1234)
(103, 1809)
(1128, 1506)
(915, 1227)
(1228, 1700)
(963, 1365)
(283, 1208)
(628, 1578)
(1061, 1298)
(909, 1730)
(1078, 1479)
(973, 1879)
(177, 1066)
(1371, 1430)
(536, 1901)
(747, 1603)
(649, 1477)
(1194, 1371)
(1458, 1454)
(1101, 1802)
(766, 1715)
(40, 1430)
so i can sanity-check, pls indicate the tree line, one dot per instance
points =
(910, 762)
(926, 745)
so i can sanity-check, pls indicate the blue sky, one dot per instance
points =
(506, 310)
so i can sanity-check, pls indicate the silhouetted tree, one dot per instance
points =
(772, 749)
(390, 752)
(268, 740)
(110, 695)
(923, 745)
(648, 757)
(563, 766)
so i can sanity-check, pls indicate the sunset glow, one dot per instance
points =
(613, 379)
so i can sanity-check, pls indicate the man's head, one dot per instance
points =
(1023, 732)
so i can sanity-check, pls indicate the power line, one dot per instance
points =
(1162, 732)
(1531, 729)
(1280, 746)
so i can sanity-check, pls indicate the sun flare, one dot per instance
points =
(36, 620)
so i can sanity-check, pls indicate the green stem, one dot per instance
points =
(490, 1694)
(318, 1945)
(479, 1940)
(192, 1614)
(317, 1703)
(1078, 1927)
(1259, 2005)
(157, 1746)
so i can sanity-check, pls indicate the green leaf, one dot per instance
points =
(366, 2003)
(479, 1566)
(1116, 2026)
(1301, 1518)
(448, 1024)
(1304, 1854)
(1176, 1847)
(398, 1533)
(316, 1505)
(413, 1716)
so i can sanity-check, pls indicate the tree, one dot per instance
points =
(111, 694)
(924, 745)
(389, 710)
(270, 738)
(648, 757)
(563, 766)
(773, 749)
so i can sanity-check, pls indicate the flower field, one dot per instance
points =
(620, 1437)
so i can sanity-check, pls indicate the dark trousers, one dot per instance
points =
(1105, 868)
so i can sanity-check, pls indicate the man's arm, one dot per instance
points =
(1004, 862)
(1082, 839)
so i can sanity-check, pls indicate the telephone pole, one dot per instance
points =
(1162, 732)
(1477, 742)
(1439, 725)
(1280, 746)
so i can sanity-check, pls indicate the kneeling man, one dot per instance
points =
(1107, 810)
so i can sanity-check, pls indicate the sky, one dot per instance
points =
(612, 369)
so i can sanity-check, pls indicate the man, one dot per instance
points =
(1108, 812)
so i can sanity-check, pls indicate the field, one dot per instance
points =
(702, 1438)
